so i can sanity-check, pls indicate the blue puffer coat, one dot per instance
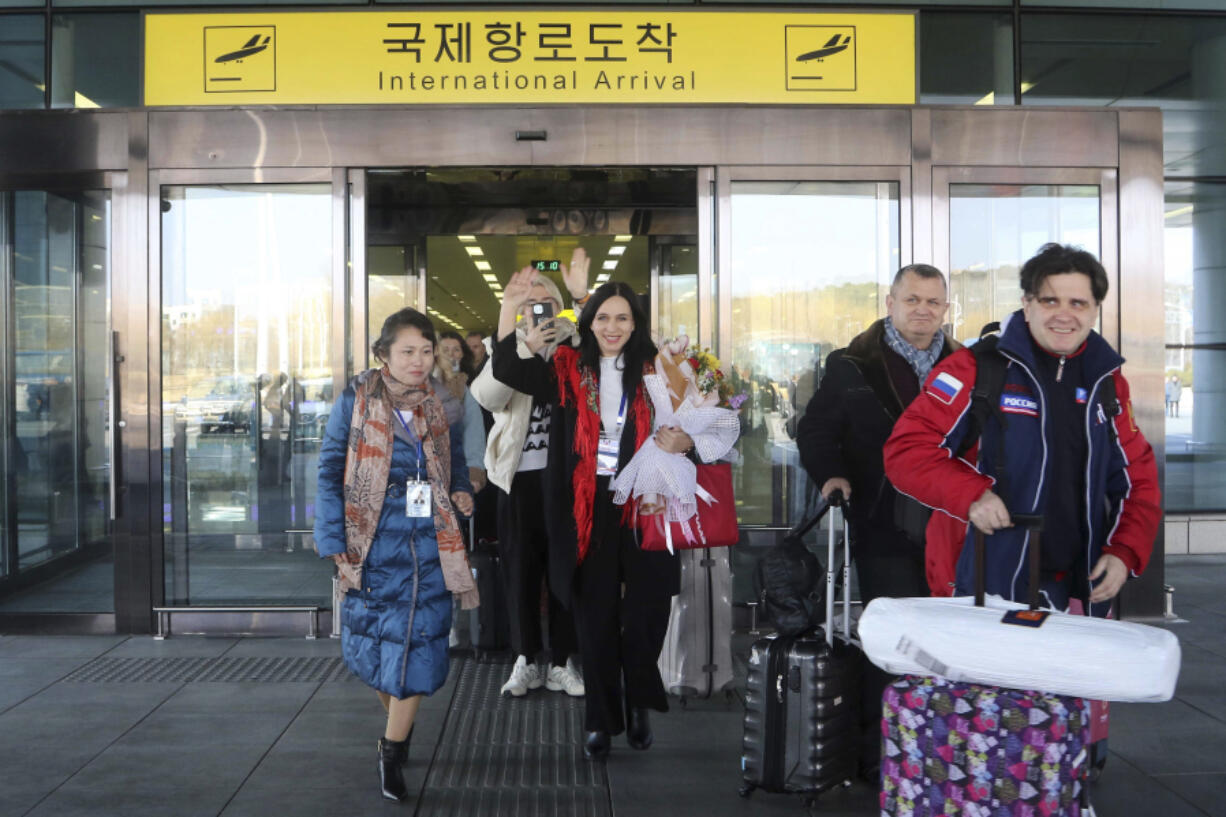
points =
(403, 598)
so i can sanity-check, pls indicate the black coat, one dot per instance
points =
(536, 377)
(844, 429)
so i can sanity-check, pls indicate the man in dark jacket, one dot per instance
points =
(864, 389)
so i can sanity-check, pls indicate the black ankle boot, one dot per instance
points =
(638, 730)
(391, 778)
(596, 745)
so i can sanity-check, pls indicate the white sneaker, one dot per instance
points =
(565, 679)
(524, 676)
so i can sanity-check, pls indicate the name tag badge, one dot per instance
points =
(606, 456)
(417, 503)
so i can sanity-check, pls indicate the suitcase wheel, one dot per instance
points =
(746, 790)
(810, 802)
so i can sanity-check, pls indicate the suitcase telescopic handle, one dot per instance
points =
(837, 500)
(1033, 523)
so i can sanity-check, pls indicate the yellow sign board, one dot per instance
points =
(515, 56)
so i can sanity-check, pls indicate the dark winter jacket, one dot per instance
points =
(844, 428)
(1122, 496)
(403, 597)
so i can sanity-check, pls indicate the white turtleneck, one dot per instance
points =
(611, 370)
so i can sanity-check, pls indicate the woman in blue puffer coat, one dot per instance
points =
(392, 474)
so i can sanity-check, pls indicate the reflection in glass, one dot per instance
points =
(95, 60)
(58, 459)
(1195, 371)
(1134, 60)
(391, 285)
(678, 291)
(994, 229)
(246, 388)
(22, 72)
(811, 265)
(965, 58)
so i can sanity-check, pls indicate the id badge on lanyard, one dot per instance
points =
(608, 448)
(417, 498)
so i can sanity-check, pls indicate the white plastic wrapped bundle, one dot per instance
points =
(1067, 655)
(671, 478)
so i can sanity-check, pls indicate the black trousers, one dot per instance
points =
(622, 601)
(895, 574)
(524, 547)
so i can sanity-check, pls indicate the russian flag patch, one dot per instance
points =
(945, 387)
(1081, 395)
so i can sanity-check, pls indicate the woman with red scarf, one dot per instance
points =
(601, 415)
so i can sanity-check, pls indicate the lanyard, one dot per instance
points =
(621, 418)
(408, 430)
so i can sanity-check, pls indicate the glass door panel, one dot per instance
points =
(677, 290)
(246, 389)
(56, 329)
(995, 228)
(810, 265)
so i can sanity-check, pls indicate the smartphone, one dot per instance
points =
(541, 313)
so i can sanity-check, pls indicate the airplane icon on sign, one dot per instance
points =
(832, 46)
(254, 46)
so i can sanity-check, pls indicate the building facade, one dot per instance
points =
(190, 284)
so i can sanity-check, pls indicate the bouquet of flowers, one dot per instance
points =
(688, 390)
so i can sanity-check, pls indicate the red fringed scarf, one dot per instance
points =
(578, 385)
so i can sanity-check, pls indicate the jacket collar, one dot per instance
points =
(1097, 356)
(866, 351)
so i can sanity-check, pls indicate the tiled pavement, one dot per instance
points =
(222, 732)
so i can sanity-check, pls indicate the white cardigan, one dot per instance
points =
(512, 412)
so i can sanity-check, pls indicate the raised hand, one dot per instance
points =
(514, 295)
(518, 289)
(576, 275)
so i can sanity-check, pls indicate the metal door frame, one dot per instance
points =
(1105, 179)
(114, 182)
(245, 619)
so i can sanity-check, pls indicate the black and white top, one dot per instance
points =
(536, 443)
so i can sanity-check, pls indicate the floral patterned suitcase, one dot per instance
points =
(981, 751)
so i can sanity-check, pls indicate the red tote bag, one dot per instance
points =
(713, 526)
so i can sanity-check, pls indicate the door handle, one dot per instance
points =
(112, 397)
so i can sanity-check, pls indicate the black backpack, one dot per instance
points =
(788, 583)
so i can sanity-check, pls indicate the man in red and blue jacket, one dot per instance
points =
(1056, 444)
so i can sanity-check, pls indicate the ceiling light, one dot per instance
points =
(610, 264)
(490, 278)
(617, 249)
(484, 266)
(602, 277)
(474, 251)
(467, 239)
(622, 238)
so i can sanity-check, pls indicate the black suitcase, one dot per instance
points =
(488, 626)
(802, 704)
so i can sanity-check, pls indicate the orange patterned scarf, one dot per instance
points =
(369, 462)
